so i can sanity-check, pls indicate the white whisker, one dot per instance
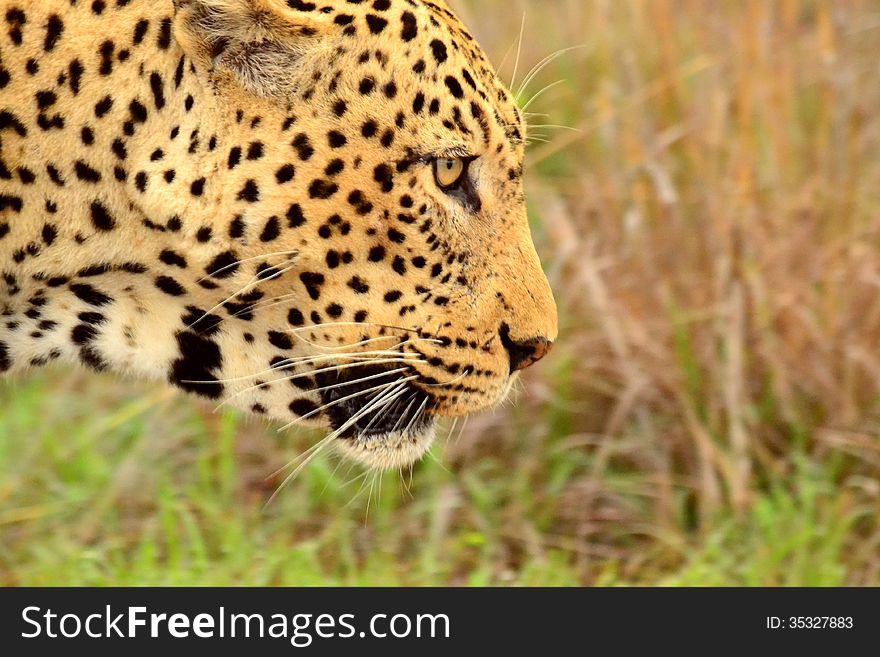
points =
(331, 477)
(541, 93)
(379, 491)
(522, 29)
(321, 389)
(451, 429)
(329, 325)
(299, 458)
(353, 345)
(262, 304)
(336, 402)
(460, 377)
(554, 126)
(430, 454)
(461, 430)
(417, 416)
(413, 397)
(541, 65)
(288, 363)
(335, 368)
(363, 475)
(323, 444)
(370, 497)
(365, 342)
(253, 282)
(388, 408)
(290, 257)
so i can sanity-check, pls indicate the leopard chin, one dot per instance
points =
(390, 451)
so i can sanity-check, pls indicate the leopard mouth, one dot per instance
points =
(372, 403)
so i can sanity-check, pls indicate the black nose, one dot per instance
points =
(523, 353)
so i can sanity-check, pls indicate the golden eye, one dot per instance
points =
(449, 173)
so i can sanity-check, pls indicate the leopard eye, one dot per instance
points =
(450, 173)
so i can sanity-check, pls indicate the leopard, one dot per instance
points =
(312, 211)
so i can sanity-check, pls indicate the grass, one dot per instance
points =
(160, 491)
(709, 417)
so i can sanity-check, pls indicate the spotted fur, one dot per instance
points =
(237, 197)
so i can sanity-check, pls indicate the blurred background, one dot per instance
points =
(709, 216)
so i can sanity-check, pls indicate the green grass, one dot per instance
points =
(143, 488)
(149, 490)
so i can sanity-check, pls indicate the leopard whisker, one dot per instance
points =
(467, 372)
(253, 282)
(278, 273)
(238, 394)
(417, 416)
(507, 53)
(411, 470)
(367, 475)
(542, 64)
(451, 429)
(405, 412)
(362, 357)
(291, 255)
(368, 341)
(461, 430)
(319, 447)
(296, 460)
(328, 325)
(391, 352)
(522, 29)
(378, 491)
(353, 345)
(336, 402)
(311, 449)
(363, 474)
(550, 86)
(430, 455)
(357, 381)
(359, 363)
(370, 498)
(385, 398)
(263, 304)
(555, 126)
(331, 477)
(401, 485)
(322, 445)
(232, 398)
(385, 411)
(374, 477)
(331, 436)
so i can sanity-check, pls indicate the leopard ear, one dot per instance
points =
(259, 42)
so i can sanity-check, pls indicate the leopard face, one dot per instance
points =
(312, 211)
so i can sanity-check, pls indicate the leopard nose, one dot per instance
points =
(524, 353)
